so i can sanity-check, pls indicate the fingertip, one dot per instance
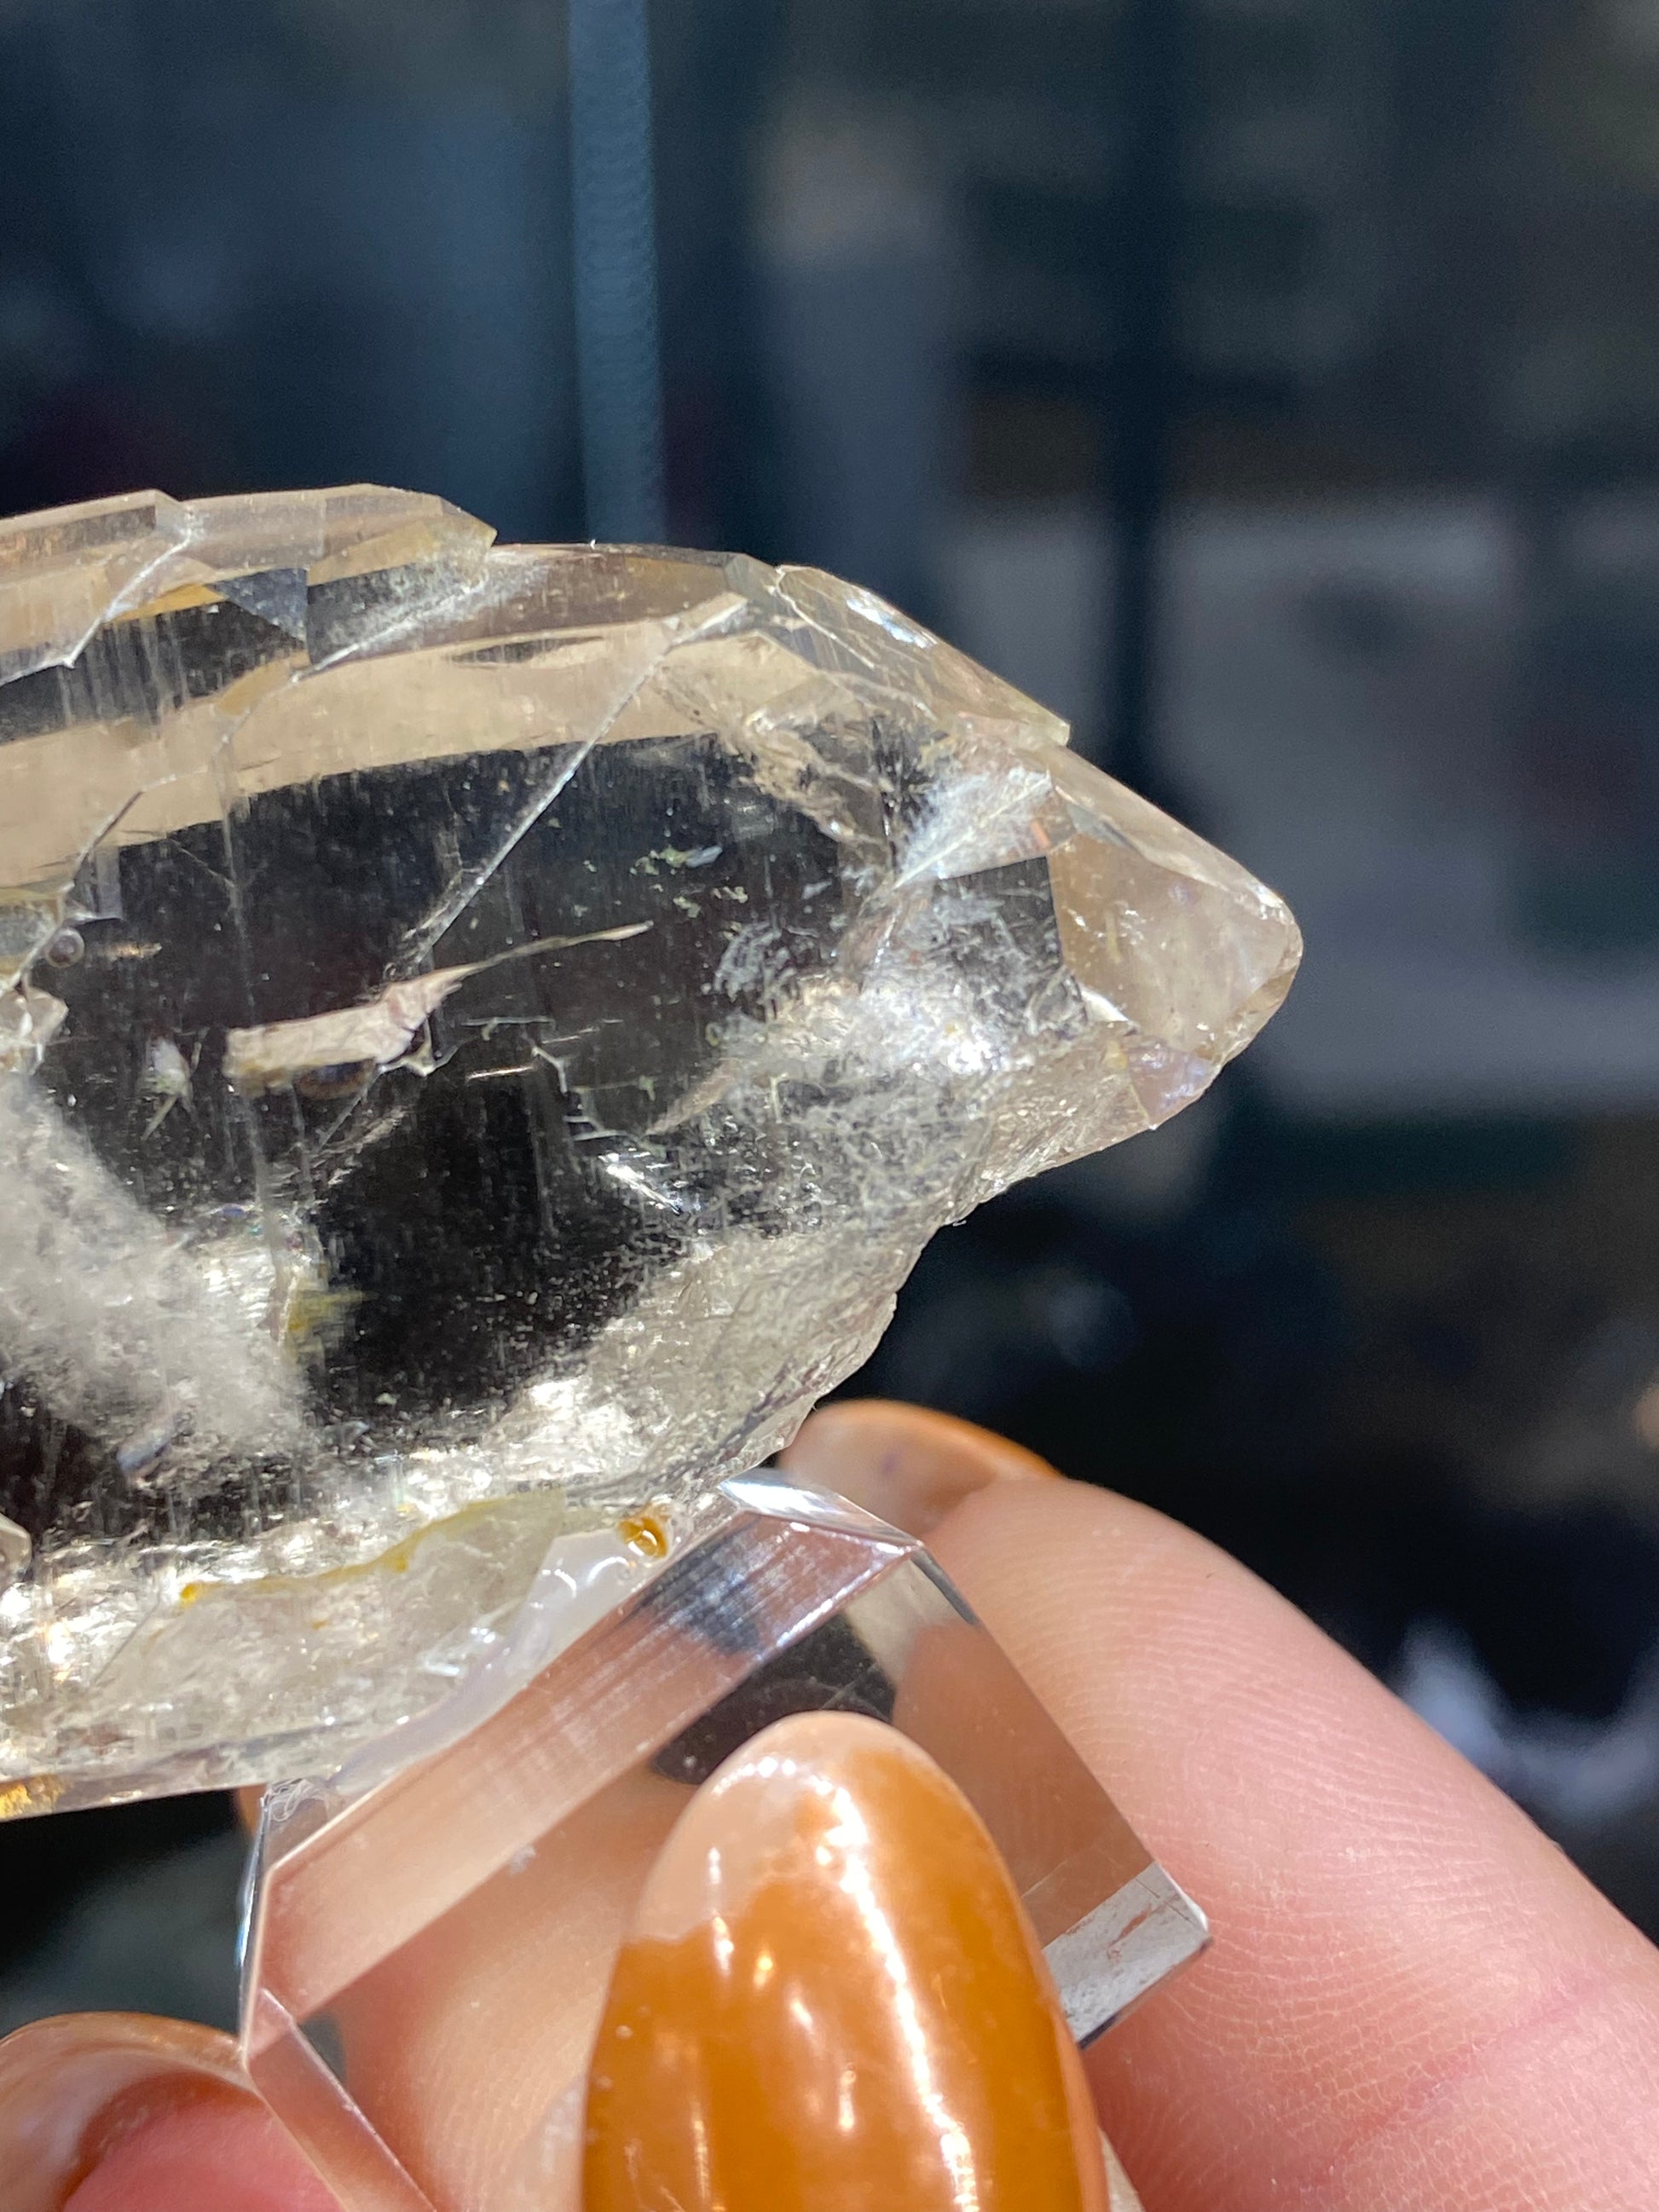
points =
(120, 2112)
(907, 1464)
(202, 2151)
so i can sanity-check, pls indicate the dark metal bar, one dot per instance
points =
(1144, 390)
(613, 201)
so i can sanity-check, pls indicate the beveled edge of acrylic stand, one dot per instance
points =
(1118, 1954)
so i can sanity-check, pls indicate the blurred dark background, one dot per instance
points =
(1272, 386)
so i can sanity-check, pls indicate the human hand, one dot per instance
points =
(1414, 2002)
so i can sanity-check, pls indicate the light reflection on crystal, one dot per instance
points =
(483, 1034)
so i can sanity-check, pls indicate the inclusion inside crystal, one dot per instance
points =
(484, 1031)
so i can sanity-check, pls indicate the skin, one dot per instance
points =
(232, 2156)
(1413, 2001)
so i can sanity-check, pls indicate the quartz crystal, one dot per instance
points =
(484, 1031)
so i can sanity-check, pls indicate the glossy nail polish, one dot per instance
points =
(830, 1999)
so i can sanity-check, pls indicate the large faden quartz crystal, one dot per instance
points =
(483, 1033)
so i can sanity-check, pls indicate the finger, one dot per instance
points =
(1413, 2000)
(203, 2155)
(465, 2045)
(913, 1466)
(111, 2112)
(829, 1997)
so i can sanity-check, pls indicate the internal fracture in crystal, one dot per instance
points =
(484, 1032)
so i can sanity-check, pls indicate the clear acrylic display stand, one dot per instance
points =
(532, 1813)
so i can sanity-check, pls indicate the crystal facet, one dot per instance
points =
(484, 1031)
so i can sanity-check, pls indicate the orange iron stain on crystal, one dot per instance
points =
(830, 1998)
(646, 1535)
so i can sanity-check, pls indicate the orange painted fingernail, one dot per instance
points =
(907, 1464)
(830, 1997)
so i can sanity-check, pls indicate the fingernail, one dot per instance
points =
(903, 1462)
(115, 2112)
(829, 1997)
